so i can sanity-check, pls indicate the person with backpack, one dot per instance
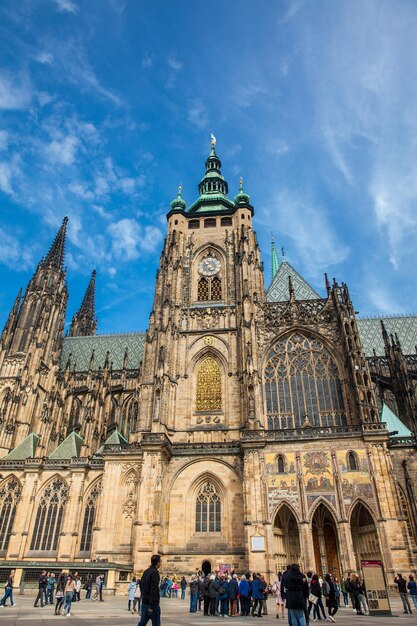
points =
(412, 588)
(193, 593)
(402, 590)
(257, 594)
(212, 594)
(206, 597)
(131, 595)
(223, 597)
(233, 593)
(59, 594)
(183, 585)
(244, 596)
(137, 597)
(8, 590)
(43, 582)
(329, 592)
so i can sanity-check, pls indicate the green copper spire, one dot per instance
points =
(178, 202)
(241, 198)
(274, 258)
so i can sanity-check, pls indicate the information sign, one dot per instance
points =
(376, 588)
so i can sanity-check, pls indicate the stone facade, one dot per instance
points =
(243, 428)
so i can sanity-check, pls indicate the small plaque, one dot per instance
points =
(258, 543)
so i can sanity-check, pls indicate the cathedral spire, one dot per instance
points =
(84, 321)
(274, 258)
(56, 254)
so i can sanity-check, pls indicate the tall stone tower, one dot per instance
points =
(30, 347)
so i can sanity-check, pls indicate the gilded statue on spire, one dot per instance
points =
(213, 140)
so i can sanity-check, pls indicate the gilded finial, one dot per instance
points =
(241, 184)
(213, 140)
(179, 189)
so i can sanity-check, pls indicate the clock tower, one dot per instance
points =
(200, 369)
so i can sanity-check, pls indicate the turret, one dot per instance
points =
(84, 321)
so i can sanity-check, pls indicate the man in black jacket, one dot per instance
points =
(43, 582)
(149, 586)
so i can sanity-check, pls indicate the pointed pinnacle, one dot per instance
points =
(274, 258)
(56, 254)
(87, 307)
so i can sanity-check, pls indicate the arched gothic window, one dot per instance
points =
(203, 290)
(89, 516)
(302, 385)
(352, 462)
(133, 416)
(5, 404)
(281, 464)
(208, 510)
(10, 494)
(49, 516)
(216, 288)
(209, 289)
(209, 386)
(74, 418)
(113, 411)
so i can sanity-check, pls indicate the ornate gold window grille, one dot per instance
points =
(203, 290)
(209, 386)
(302, 385)
(216, 288)
(208, 510)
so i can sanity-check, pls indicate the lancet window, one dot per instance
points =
(209, 386)
(208, 510)
(10, 494)
(89, 516)
(302, 385)
(5, 405)
(74, 418)
(49, 516)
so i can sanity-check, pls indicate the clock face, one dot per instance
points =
(209, 266)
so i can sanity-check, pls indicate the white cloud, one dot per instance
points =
(66, 5)
(14, 93)
(13, 254)
(147, 61)
(129, 238)
(4, 139)
(44, 58)
(8, 171)
(174, 63)
(62, 151)
(101, 212)
(308, 225)
(126, 236)
(197, 113)
(81, 190)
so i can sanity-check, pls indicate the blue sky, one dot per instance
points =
(107, 105)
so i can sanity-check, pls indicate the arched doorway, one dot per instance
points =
(325, 542)
(364, 535)
(206, 568)
(287, 538)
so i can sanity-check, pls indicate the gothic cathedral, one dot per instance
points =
(248, 426)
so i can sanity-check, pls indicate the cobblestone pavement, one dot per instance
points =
(113, 612)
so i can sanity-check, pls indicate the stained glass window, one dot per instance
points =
(352, 462)
(10, 494)
(49, 516)
(89, 515)
(302, 385)
(74, 418)
(208, 510)
(209, 386)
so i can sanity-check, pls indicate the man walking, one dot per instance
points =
(8, 590)
(402, 590)
(149, 586)
(43, 582)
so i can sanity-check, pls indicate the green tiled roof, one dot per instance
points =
(69, 448)
(116, 438)
(393, 422)
(81, 349)
(25, 449)
(278, 289)
(404, 326)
